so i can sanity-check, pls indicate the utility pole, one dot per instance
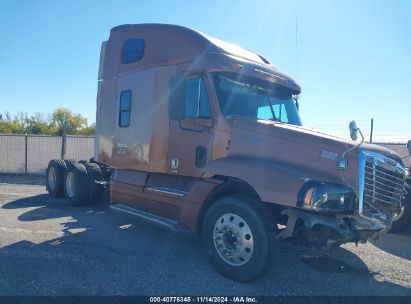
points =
(372, 129)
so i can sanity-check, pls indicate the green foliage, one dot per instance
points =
(89, 131)
(53, 124)
(64, 117)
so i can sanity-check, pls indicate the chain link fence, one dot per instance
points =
(30, 154)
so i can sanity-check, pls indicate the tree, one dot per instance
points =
(75, 122)
(8, 127)
(21, 119)
(89, 131)
(52, 125)
(11, 125)
(37, 124)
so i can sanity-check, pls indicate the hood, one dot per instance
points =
(305, 153)
(308, 137)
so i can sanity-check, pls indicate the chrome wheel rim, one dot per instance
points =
(233, 239)
(71, 184)
(398, 215)
(52, 178)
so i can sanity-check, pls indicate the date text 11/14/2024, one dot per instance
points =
(203, 299)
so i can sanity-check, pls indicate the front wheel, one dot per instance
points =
(239, 235)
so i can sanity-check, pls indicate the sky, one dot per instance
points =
(351, 58)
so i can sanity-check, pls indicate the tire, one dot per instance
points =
(249, 223)
(95, 174)
(70, 161)
(55, 177)
(76, 184)
(405, 217)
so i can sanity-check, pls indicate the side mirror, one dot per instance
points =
(353, 130)
(176, 105)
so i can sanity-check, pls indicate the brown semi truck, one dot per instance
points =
(196, 133)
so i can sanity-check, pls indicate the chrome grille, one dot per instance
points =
(384, 185)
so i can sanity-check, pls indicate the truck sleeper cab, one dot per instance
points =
(197, 133)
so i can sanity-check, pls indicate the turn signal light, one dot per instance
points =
(308, 196)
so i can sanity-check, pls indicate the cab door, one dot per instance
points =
(189, 147)
(191, 125)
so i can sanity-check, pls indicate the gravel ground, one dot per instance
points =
(50, 248)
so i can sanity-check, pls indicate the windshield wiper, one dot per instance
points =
(271, 108)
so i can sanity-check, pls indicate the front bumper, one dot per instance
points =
(325, 232)
(332, 214)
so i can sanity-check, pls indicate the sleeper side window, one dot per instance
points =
(196, 99)
(125, 109)
(132, 51)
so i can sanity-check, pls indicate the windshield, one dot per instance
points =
(255, 98)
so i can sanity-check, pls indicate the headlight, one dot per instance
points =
(326, 197)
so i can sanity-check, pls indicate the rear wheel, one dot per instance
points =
(95, 175)
(55, 177)
(240, 237)
(76, 184)
(70, 161)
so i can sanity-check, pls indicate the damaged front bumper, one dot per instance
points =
(325, 232)
(330, 214)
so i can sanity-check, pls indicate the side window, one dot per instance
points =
(124, 109)
(132, 51)
(196, 99)
(280, 112)
(264, 112)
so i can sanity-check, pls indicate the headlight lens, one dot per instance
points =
(333, 198)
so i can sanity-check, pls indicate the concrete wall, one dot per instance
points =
(20, 154)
